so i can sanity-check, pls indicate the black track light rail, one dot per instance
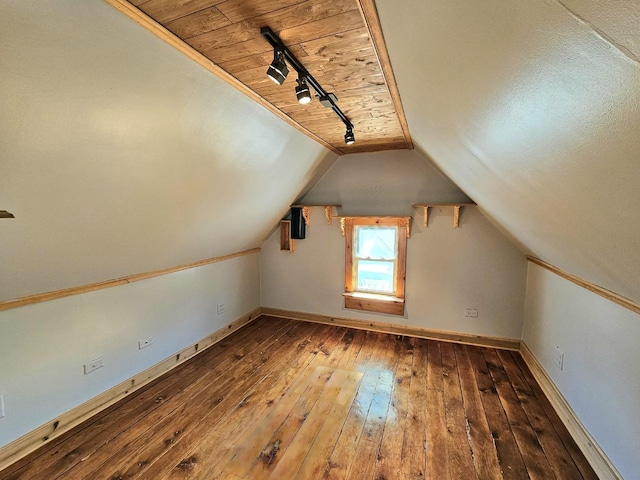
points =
(277, 44)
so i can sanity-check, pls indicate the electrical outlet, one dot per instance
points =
(220, 308)
(1, 406)
(93, 365)
(471, 312)
(147, 342)
(558, 358)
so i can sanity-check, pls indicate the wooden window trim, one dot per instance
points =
(371, 302)
(379, 303)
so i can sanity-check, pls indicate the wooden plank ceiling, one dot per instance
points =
(339, 42)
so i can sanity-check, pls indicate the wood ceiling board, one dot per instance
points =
(239, 10)
(340, 42)
(319, 114)
(351, 20)
(370, 89)
(330, 38)
(322, 66)
(197, 23)
(372, 21)
(285, 19)
(262, 60)
(163, 11)
(239, 50)
(360, 72)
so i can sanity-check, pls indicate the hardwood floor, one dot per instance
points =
(284, 399)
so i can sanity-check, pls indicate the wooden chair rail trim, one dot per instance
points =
(33, 440)
(603, 292)
(459, 204)
(587, 444)
(372, 22)
(397, 329)
(158, 30)
(67, 292)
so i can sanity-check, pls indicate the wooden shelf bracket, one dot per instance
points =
(456, 211)
(425, 221)
(306, 212)
(328, 213)
(456, 216)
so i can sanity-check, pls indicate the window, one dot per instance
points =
(375, 259)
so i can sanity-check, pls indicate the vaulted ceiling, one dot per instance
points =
(532, 108)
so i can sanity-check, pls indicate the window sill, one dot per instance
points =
(372, 302)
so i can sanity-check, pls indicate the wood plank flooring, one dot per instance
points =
(282, 399)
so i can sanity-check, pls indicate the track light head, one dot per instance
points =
(302, 91)
(278, 70)
(349, 137)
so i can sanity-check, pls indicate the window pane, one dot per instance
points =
(376, 242)
(375, 276)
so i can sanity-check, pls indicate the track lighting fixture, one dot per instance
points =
(278, 73)
(278, 70)
(349, 137)
(302, 91)
(328, 100)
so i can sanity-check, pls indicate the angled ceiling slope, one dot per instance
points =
(533, 109)
(339, 42)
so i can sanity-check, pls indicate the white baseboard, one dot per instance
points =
(587, 444)
(33, 440)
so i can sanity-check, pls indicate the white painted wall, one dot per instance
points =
(533, 109)
(447, 269)
(119, 155)
(43, 346)
(601, 374)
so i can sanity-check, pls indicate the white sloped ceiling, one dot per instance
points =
(533, 109)
(119, 155)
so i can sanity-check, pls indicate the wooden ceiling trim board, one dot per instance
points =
(154, 27)
(372, 21)
(367, 147)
